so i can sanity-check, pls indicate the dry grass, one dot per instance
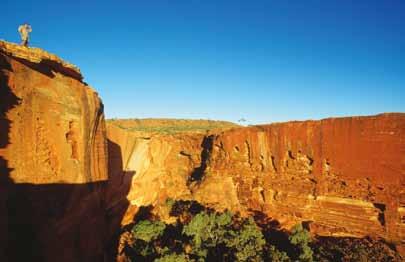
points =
(171, 126)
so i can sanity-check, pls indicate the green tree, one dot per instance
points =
(248, 242)
(275, 255)
(301, 238)
(208, 231)
(146, 234)
(148, 230)
(173, 257)
(170, 203)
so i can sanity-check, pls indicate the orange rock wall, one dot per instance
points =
(344, 176)
(53, 160)
(151, 167)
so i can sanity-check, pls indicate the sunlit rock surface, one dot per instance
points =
(342, 176)
(53, 160)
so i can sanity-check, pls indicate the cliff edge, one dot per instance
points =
(53, 160)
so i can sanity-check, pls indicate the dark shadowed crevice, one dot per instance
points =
(273, 163)
(118, 186)
(381, 213)
(8, 100)
(49, 68)
(290, 155)
(198, 173)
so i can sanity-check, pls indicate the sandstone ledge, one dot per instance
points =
(40, 56)
(53, 160)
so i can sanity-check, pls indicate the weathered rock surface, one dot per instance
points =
(58, 202)
(344, 176)
(154, 167)
(53, 160)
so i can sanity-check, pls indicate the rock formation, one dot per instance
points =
(63, 197)
(341, 176)
(345, 176)
(155, 165)
(53, 160)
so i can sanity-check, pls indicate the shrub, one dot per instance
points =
(169, 203)
(248, 242)
(275, 255)
(148, 230)
(201, 234)
(301, 238)
(173, 257)
(208, 231)
(353, 249)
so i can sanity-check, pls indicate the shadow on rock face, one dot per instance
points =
(61, 222)
(119, 184)
(8, 100)
(53, 222)
(198, 173)
(49, 68)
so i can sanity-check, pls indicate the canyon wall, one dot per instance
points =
(344, 176)
(341, 176)
(53, 160)
(153, 167)
(63, 197)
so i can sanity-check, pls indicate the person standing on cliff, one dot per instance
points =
(24, 30)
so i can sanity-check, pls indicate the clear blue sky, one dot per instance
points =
(265, 61)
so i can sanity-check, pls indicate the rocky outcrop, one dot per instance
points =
(344, 176)
(58, 201)
(153, 167)
(53, 160)
(341, 176)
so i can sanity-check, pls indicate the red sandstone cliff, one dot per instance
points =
(53, 160)
(154, 166)
(344, 176)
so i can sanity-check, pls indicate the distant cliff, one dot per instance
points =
(53, 160)
(342, 176)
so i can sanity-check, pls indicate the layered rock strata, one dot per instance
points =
(153, 167)
(345, 176)
(58, 202)
(53, 160)
(341, 176)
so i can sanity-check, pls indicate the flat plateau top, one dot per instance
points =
(35, 55)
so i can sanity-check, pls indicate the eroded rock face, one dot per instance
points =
(53, 160)
(343, 176)
(151, 167)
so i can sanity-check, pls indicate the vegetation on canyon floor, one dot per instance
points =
(171, 126)
(202, 234)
